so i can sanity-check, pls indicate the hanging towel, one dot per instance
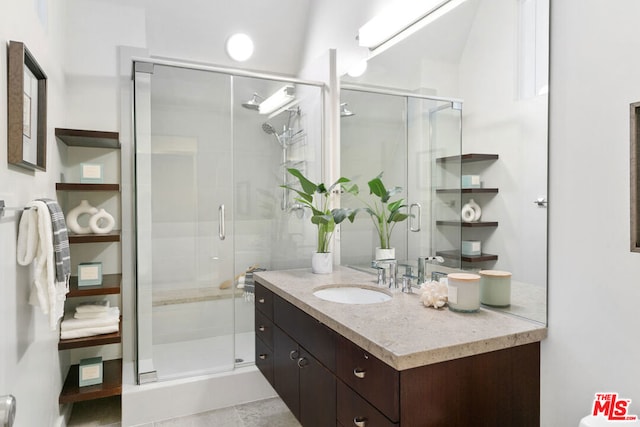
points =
(35, 245)
(60, 241)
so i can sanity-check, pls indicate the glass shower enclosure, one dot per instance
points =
(404, 136)
(209, 208)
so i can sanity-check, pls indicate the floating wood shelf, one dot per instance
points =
(88, 138)
(467, 158)
(467, 258)
(111, 284)
(478, 224)
(113, 236)
(111, 384)
(468, 190)
(102, 339)
(69, 186)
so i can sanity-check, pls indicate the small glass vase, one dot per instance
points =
(322, 262)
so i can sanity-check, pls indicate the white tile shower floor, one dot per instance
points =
(263, 413)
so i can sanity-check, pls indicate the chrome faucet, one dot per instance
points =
(422, 266)
(406, 280)
(382, 265)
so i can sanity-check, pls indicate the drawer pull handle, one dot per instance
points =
(360, 373)
(293, 354)
(302, 362)
(261, 300)
(261, 328)
(360, 421)
(263, 356)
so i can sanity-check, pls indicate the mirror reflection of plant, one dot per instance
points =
(384, 213)
(317, 197)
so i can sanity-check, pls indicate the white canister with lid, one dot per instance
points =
(495, 288)
(464, 292)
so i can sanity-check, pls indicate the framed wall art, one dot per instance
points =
(26, 109)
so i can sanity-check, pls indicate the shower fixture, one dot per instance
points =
(253, 103)
(344, 112)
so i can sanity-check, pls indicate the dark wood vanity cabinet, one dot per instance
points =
(325, 379)
(289, 349)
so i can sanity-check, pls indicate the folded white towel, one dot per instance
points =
(96, 315)
(93, 307)
(69, 323)
(89, 332)
(35, 245)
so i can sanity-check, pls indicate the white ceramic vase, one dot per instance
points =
(322, 262)
(389, 253)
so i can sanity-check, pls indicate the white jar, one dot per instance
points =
(464, 292)
(495, 288)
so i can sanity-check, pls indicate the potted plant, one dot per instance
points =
(316, 197)
(385, 215)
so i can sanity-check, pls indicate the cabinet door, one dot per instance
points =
(317, 392)
(285, 370)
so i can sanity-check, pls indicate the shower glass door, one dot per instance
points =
(404, 136)
(184, 177)
(210, 209)
(434, 134)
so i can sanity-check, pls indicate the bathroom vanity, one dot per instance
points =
(394, 363)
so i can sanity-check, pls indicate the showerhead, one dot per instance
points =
(268, 128)
(344, 112)
(253, 103)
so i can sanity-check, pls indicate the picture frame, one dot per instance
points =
(26, 109)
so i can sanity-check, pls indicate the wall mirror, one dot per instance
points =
(472, 86)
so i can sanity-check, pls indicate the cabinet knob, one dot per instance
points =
(360, 421)
(293, 354)
(302, 362)
(263, 356)
(261, 328)
(261, 300)
(360, 373)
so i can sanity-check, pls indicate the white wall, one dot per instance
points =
(30, 365)
(593, 278)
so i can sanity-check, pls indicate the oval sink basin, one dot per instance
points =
(352, 294)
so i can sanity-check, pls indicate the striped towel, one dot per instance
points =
(61, 251)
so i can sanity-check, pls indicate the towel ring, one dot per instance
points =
(102, 222)
(84, 208)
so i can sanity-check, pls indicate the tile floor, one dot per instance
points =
(264, 413)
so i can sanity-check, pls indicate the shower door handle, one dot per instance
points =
(221, 234)
(411, 227)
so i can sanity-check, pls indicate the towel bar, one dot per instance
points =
(3, 208)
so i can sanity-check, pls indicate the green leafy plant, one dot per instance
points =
(316, 197)
(384, 213)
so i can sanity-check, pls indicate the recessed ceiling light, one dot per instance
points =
(240, 47)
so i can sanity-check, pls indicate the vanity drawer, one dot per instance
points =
(354, 411)
(310, 333)
(264, 300)
(373, 379)
(264, 328)
(264, 359)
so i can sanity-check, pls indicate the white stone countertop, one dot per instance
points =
(401, 332)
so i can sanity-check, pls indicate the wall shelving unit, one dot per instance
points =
(111, 283)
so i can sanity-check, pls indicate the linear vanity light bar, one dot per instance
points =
(282, 98)
(400, 21)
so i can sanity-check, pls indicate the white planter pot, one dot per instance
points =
(385, 253)
(322, 262)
